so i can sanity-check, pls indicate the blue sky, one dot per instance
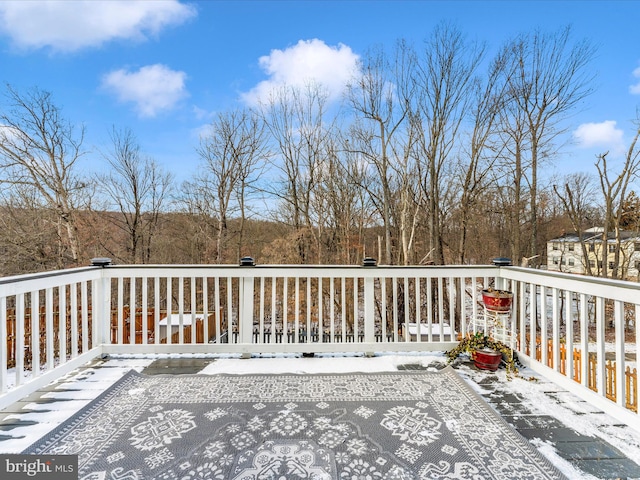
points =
(164, 68)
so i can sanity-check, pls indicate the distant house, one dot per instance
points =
(565, 253)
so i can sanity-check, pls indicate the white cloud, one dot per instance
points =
(308, 60)
(635, 89)
(604, 134)
(153, 89)
(72, 25)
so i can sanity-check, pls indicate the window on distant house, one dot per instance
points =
(571, 247)
(612, 249)
(592, 263)
(571, 262)
(592, 247)
(636, 246)
(555, 246)
(611, 264)
(638, 265)
(556, 261)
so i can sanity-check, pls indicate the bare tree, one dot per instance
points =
(347, 205)
(297, 120)
(484, 147)
(27, 241)
(577, 199)
(515, 163)
(550, 82)
(614, 191)
(384, 136)
(138, 188)
(444, 76)
(39, 150)
(230, 153)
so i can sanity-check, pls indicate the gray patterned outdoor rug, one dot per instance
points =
(405, 425)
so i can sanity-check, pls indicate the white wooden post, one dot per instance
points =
(245, 304)
(369, 306)
(100, 305)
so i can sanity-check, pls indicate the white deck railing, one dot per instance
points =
(84, 313)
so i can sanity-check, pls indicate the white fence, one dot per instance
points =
(81, 314)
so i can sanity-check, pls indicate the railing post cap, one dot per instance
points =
(247, 262)
(501, 261)
(100, 261)
(369, 262)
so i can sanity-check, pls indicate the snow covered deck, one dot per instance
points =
(256, 311)
(580, 440)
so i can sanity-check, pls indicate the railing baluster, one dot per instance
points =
(332, 310)
(297, 309)
(453, 297)
(120, 312)
(356, 333)
(261, 317)
(84, 299)
(62, 323)
(132, 310)
(394, 288)
(584, 339)
(544, 344)
(418, 304)
(383, 309)
(231, 325)
(74, 320)
(555, 325)
(4, 352)
(180, 310)
(272, 333)
(219, 322)
(343, 305)
(156, 310)
(144, 311)
(49, 327)
(205, 310)
(407, 336)
(169, 329)
(320, 311)
(619, 372)
(308, 319)
(35, 333)
(600, 346)
(533, 320)
(194, 323)
(20, 332)
(285, 310)
(569, 334)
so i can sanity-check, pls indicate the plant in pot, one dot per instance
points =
(486, 353)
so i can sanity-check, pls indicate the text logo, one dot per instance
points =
(35, 467)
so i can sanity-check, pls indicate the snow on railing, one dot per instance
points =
(84, 313)
(46, 327)
(595, 319)
(309, 309)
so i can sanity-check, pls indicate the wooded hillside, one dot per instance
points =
(437, 155)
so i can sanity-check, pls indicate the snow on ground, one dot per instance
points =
(317, 364)
(90, 381)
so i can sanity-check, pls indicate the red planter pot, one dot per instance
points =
(487, 359)
(497, 300)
